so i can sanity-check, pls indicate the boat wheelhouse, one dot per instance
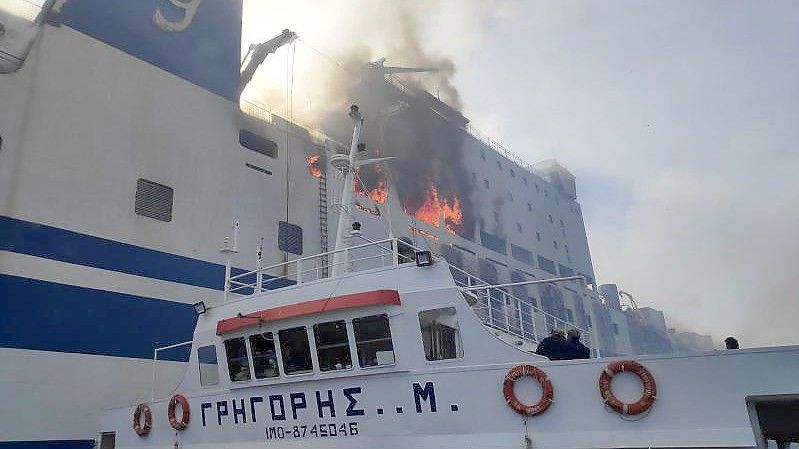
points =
(395, 355)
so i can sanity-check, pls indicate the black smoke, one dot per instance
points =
(426, 138)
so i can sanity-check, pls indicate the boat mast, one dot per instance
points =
(346, 164)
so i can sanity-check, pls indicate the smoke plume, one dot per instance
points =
(315, 81)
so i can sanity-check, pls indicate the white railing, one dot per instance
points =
(355, 258)
(493, 304)
(497, 308)
(155, 361)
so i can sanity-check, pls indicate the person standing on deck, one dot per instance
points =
(554, 346)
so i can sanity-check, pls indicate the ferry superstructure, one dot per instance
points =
(126, 156)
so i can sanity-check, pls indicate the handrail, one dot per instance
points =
(303, 266)
(475, 285)
(155, 359)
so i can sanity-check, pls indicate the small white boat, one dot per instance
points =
(388, 354)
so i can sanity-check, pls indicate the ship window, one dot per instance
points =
(332, 346)
(373, 340)
(257, 143)
(264, 357)
(512, 173)
(296, 350)
(529, 207)
(441, 334)
(209, 367)
(615, 328)
(485, 181)
(153, 200)
(519, 227)
(238, 361)
(108, 440)
(538, 236)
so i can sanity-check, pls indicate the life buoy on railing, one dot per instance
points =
(185, 412)
(142, 428)
(647, 398)
(546, 386)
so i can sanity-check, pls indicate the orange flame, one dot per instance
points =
(453, 216)
(379, 194)
(434, 208)
(313, 166)
(430, 211)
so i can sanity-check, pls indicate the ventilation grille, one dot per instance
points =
(154, 200)
(289, 238)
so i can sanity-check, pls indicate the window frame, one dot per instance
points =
(355, 341)
(278, 356)
(199, 368)
(460, 336)
(347, 325)
(311, 348)
(249, 359)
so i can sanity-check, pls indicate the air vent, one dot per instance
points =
(289, 238)
(154, 200)
(257, 143)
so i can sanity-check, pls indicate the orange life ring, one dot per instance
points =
(647, 398)
(521, 408)
(185, 412)
(142, 429)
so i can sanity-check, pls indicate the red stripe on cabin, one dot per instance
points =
(373, 298)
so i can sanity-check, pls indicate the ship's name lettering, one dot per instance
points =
(301, 405)
(281, 407)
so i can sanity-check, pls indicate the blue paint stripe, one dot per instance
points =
(47, 316)
(67, 246)
(48, 444)
(40, 240)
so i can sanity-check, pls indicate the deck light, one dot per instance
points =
(424, 258)
(199, 307)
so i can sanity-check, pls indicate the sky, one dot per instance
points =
(680, 121)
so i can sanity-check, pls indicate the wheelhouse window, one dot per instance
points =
(332, 345)
(296, 350)
(373, 341)
(264, 356)
(209, 366)
(238, 361)
(441, 334)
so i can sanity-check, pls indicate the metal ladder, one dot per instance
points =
(323, 220)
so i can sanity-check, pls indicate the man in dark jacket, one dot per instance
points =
(554, 346)
(575, 349)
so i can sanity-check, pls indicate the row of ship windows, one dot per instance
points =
(487, 185)
(289, 351)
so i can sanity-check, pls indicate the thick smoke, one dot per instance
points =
(327, 71)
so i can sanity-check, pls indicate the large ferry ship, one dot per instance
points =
(127, 157)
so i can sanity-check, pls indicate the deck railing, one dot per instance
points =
(355, 258)
(497, 308)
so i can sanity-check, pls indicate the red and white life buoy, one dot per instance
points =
(142, 428)
(647, 398)
(546, 386)
(185, 412)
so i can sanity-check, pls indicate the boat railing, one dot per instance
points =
(498, 308)
(366, 256)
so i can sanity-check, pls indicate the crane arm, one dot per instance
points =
(259, 52)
